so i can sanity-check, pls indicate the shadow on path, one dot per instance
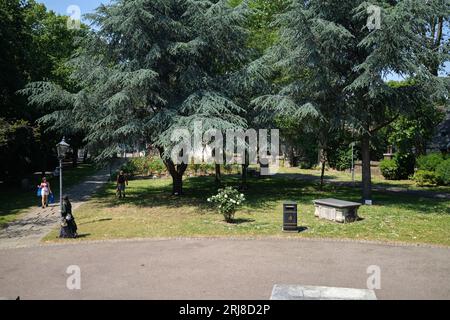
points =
(35, 224)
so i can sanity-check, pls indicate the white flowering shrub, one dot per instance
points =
(228, 200)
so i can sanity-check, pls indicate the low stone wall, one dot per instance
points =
(374, 168)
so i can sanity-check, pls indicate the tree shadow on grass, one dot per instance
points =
(83, 235)
(241, 221)
(95, 221)
(416, 203)
(305, 177)
(266, 193)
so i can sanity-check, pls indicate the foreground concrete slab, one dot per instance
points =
(295, 292)
(221, 269)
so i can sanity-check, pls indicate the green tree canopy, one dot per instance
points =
(150, 67)
(336, 65)
(35, 44)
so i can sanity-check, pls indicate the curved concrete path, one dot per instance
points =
(220, 269)
(38, 222)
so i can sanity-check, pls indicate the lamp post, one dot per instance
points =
(62, 149)
(353, 162)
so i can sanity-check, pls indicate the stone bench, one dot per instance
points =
(336, 210)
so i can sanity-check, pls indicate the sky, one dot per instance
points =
(61, 6)
(88, 6)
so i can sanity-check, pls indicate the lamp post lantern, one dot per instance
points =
(62, 149)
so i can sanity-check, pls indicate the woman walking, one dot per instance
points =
(68, 225)
(45, 191)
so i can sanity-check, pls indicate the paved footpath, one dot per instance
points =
(38, 222)
(220, 269)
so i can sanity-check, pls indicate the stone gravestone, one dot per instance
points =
(336, 210)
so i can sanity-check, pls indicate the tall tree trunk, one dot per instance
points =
(245, 166)
(110, 170)
(85, 155)
(323, 162)
(294, 163)
(366, 168)
(176, 172)
(244, 185)
(177, 185)
(218, 174)
(75, 158)
(322, 174)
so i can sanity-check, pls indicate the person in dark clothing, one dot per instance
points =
(122, 181)
(68, 225)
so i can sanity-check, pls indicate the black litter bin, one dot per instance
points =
(290, 220)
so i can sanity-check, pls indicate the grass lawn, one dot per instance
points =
(150, 211)
(340, 176)
(376, 180)
(14, 201)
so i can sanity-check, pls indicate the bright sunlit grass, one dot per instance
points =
(150, 211)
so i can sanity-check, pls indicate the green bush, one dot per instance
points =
(228, 168)
(405, 163)
(425, 177)
(389, 169)
(305, 165)
(129, 168)
(143, 166)
(156, 165)
(399, 168)
(344, 160)
(207, 168)
(443, 172)
(430, 162)
(228, 200)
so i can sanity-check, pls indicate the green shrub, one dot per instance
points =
(228, 168)
(430, 162)
(344, 160)
(443, 172)
(305, 165)
(195, 168)
(389, 169)
(425, 177)
(143, 166)
(129, 168)
(156, 165)
(405, 163)
(228, 200)
(399, 168)
(207, 168)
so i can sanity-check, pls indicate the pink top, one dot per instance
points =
(45, 186)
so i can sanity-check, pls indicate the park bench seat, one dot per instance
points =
(336, 210)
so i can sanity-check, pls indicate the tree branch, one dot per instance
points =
(384, 124)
